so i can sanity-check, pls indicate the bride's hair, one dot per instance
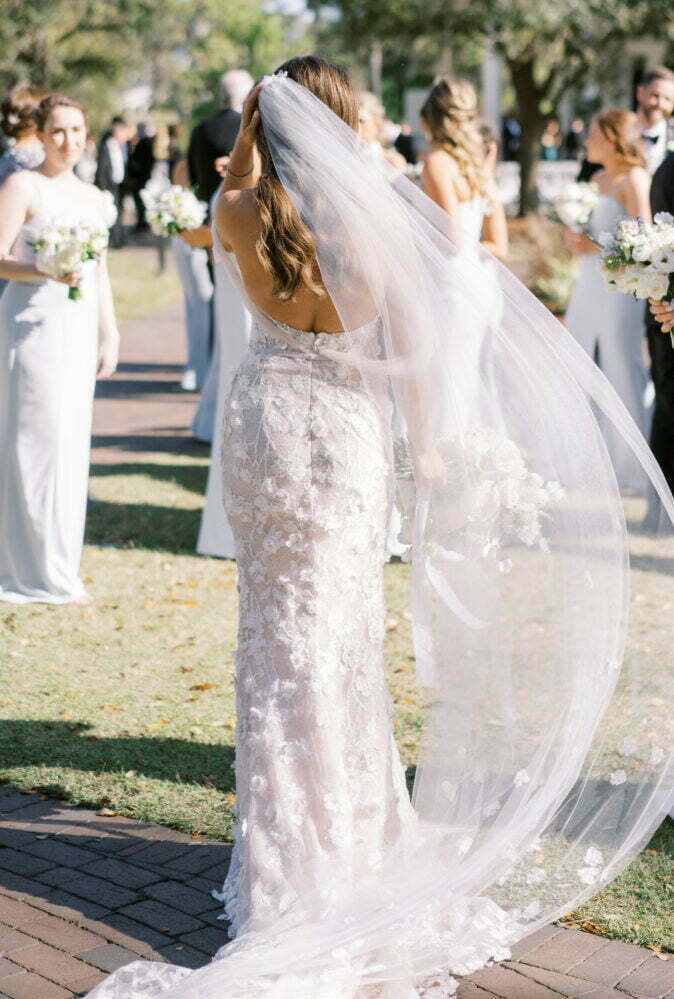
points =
(50, 103)
(451, 114)
(623, 131)
(285, 247)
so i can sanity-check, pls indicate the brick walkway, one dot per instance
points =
(82, 893)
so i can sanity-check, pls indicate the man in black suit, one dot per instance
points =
(111, 171)
(139, 170)
(214, 138)
(660, 320)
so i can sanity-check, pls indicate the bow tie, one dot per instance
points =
(650, 138)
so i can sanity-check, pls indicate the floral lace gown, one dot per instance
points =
(320, 787)
(322, 801)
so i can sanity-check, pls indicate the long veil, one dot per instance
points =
(546, 756)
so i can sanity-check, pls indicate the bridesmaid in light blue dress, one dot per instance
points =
(608, 325)
(50, 354)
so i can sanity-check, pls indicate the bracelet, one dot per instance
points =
(240, 176)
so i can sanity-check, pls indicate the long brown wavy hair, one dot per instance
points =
(451, 114)
(285, 246)
(623, 131)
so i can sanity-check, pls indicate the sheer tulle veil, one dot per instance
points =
(545, 763)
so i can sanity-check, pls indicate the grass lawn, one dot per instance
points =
(140, 288)
(127, 705)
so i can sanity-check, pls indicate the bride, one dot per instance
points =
(538, 778)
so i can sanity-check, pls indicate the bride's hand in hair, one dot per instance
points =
(250, 117)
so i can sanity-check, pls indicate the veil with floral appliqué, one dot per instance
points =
(545, 762)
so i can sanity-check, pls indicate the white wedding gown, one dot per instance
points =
(340, 888)
(322, 802)
(611, 327)
(48, 347)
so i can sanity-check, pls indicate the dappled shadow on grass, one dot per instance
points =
(152, 441)
(141, 525)
(189, 477)
(69, 745)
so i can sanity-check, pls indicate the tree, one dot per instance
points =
(551, 48)
(391, 45)
(94, 49)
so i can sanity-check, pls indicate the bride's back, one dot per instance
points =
(238, 220)
(274, 249)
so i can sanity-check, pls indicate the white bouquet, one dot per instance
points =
(638, 257)
(172, 209)
(508, 501)
(574, 205)
(61, 248)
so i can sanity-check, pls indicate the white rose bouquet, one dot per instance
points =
(574, 205)
(172, 210)
(638, 257)
(62, 247)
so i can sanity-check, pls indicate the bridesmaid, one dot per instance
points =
(610, 326)
(50, 353)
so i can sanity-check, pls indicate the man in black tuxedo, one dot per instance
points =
(660, 320)
(214, 138)
(111, 171)
(139, 170)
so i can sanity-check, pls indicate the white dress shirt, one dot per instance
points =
(116, 159)
(655, 151)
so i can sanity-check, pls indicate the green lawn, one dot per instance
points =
(140, 288)
(127, 705)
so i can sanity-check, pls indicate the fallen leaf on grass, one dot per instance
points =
(155, 725)
(108, 812)
(149, 603)
(391, 623)
(225, 582)
(586, 925)
(112, 709)
(187, 669)
(203, 686)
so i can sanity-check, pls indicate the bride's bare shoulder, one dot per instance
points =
(235, 214)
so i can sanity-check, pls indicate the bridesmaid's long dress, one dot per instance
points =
(48, 350)
(610, 327)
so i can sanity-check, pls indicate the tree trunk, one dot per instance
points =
(375, 61)
(529, 158)
(532, 122)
